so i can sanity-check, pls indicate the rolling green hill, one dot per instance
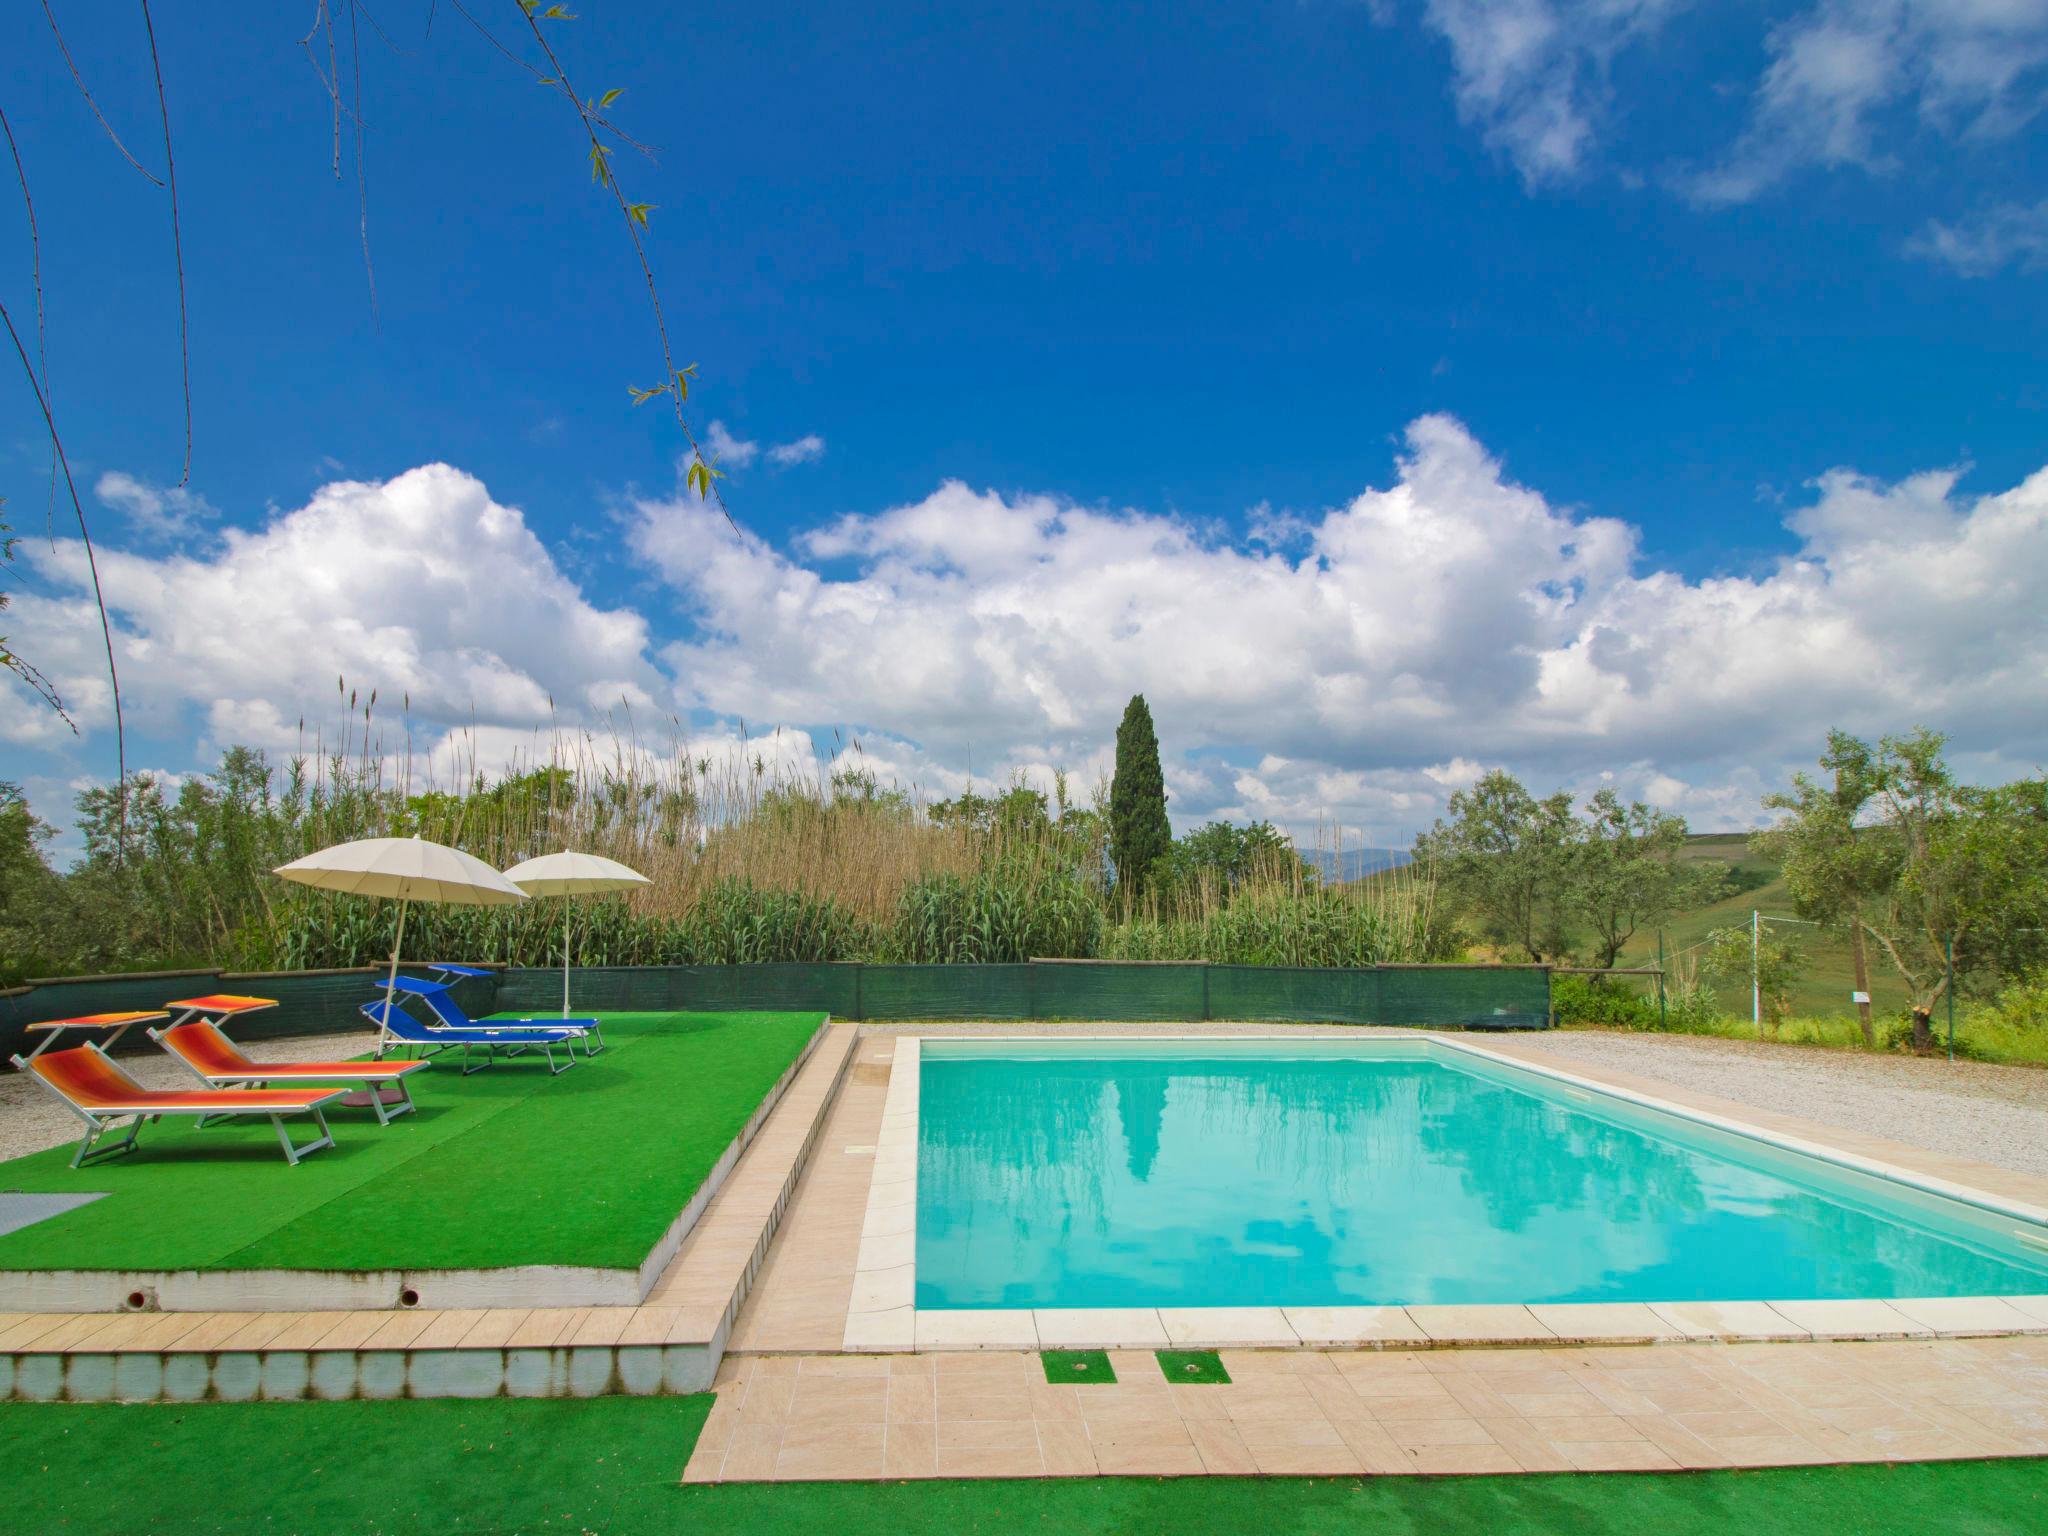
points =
(1756, 885)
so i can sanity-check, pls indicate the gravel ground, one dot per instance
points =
(31, 1119)
(1967, 1109)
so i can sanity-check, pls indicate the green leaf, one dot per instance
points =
(639, 211)
(642, 396)
(556, 13)
(609, 97)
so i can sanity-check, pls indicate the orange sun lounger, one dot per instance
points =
(92, 1087)
(218, 1062)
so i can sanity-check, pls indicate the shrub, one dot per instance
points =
(1601, 1001)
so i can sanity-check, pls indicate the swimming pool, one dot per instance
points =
(1232, 1173)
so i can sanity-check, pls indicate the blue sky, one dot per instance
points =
(1203, 275)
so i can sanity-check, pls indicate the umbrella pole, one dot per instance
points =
(391, 982)
(567, 904)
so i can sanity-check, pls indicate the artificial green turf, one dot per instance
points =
(506, 1167)
(1193, 1367)
(611, 1466)
(1084, 1367)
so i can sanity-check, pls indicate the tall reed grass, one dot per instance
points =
(751, 857)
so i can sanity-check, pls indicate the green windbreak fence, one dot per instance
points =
(309, 1002)
(1455, 996)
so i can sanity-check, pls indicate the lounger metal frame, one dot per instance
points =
(99, 1123)
(511, 1045)
(404, 1106)
(442, 1001)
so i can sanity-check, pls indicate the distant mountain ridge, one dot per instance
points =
(1336, 867)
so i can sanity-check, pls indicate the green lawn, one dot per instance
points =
(611, 1466)
(508, 1166)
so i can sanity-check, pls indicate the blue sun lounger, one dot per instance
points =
(492, 1039)
(439, 997)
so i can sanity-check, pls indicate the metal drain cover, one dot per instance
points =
(19, 1210)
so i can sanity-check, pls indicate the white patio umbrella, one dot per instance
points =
(404, 870)
(572, 874)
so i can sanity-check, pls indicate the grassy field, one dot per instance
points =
(508, 1166)
(1827, 977)
(612, 1466)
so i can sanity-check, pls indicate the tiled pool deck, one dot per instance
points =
(1613, 1408)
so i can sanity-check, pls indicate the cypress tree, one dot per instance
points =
(1138, 831)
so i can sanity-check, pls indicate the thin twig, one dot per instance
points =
(91, 561)
(603, 122)
(79, 81)
(672, 376)
(35, 246)
(327, 83)
(379, 30)
(362, 184)
(177, 247)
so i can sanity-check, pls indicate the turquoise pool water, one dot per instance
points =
(1192, 1174)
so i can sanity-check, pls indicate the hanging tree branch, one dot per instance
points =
(35, 248)
(79, 81)
(703, 474)
(91, 559)
(177, 251)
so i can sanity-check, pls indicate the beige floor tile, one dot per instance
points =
(1680, 1444)
(1377, 1451)
(991, 1329)
(1605, 1320)
(1222, 1449)
(860, 1366)
(980, 1462)
(986, 1434)
(1099, 1327)
(751, 1455)
(910, 1449)
(1421, 1405)
(913, 1399)
(1524, 1441)
(1156, 1448)
(1210, 1327)
(1563, 1431)
(984, 1400)
(1490, 1325)
(1067, 1450)
(1411, 1434)
(1728, 1320)
(1728, 1425)
(811, 1452)
(1849, 1319)
(840, 1400)
(1127, 1402)
(1966, 1314)
(1353, 1325)
(1551, 1405)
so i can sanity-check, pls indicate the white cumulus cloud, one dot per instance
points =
(1449, 619)
(420, 585)
(1391, 649)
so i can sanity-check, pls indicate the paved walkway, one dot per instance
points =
(1646, 1408)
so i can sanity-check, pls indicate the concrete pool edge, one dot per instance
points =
(883, 1317)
